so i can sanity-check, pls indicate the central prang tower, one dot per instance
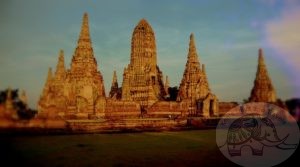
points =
(142, 79)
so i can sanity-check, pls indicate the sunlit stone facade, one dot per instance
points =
(263, 90)
(142, 78)
(78, 92)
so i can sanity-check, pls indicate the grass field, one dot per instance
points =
(184, 148)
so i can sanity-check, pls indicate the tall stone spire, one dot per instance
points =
(49, 76)
(83, 58)
(60, 67)
(78, 90)
(48, 82)
(167, 85)
(194, 88)
(115, 80)
(142, 79)
(192, 55)
(85, 82)
(114, 86)
(263, 90)
(84, 37)
(194, 82)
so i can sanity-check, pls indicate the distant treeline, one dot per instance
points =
(23, 111)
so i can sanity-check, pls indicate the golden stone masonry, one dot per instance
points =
(263, 90)
(78, 92)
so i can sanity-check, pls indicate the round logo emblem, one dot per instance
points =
(257, 134)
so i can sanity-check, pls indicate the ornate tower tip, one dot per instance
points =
(143, 25)
(115, 77)
(84, 40)
(143, 20)
(85, 14)
(192, 36)
(85, 27)
(85, 19)
(260, 56)
(50, 72)
(49, 77)
(260, 51)
(192, 46)
(60, 67)
(192, 40)
(61, 52)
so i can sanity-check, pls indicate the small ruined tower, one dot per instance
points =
(194, 86)
(59, 78)
(60, 67)
(142, 79)
(167, 85)
(53, 92)
(114, 89)
(263, 90)
(48, 91)
(48, 83)
(194, 83)
(49, 76)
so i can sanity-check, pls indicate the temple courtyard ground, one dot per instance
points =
(180, 148)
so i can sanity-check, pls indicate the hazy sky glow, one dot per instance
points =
(228, 35)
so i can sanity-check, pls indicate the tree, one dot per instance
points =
(22, 109)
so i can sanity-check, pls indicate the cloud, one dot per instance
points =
(283, 36)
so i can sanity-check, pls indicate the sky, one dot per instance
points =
(228, 35)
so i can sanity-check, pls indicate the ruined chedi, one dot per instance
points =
(78, 91)
(263, 90)
(115, 92)
(167, 86)
(142, 79)
(194, 86)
